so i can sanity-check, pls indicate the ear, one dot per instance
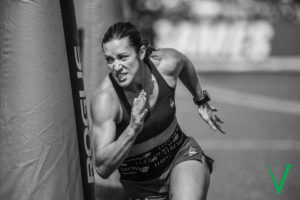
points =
(142, 52)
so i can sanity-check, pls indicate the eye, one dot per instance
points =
(123, 57)
(109, 60)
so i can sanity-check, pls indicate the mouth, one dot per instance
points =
(121, 76)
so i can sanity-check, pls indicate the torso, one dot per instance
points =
(161, 107)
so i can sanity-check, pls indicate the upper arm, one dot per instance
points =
(104, 110)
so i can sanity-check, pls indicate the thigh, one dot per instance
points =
(190, 180)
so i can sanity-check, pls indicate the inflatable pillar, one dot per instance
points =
(38, 143)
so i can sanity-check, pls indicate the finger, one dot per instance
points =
(220, 129)
(204, 115)
(142, 94)
(143, 103)
(212, 125)
(218, 119)
(218, 126)
(138, 99)
(135, 101)
(144, 114)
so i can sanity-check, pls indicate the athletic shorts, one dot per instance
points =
(158, 187)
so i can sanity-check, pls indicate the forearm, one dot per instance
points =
(110, 157)
(189, 78)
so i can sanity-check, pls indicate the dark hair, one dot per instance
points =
(126, 29)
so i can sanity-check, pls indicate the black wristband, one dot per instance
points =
(203, 100)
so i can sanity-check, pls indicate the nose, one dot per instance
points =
(117, 66)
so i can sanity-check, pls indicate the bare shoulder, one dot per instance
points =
(169, 61)
(167, 54)
(104, 103)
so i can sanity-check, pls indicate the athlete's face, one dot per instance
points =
(123, 60)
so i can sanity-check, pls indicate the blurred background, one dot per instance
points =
(247, 54)
(214, 31)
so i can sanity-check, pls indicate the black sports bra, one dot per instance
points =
(159, 117)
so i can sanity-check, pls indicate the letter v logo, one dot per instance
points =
(279, 187)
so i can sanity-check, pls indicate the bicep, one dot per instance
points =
(104, 110)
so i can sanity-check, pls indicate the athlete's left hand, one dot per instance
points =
(208, 114)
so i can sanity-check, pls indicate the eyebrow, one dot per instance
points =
(123, 53)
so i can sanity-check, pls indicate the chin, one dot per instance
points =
(124, 83)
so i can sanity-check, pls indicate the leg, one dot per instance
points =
(189, 180)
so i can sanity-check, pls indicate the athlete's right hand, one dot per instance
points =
(138, 113)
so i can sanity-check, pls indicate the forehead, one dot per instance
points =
(117, 46)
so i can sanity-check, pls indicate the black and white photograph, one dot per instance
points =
(150, 99)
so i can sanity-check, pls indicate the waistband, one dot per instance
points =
(152, 163)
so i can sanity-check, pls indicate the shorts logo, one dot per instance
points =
(192, 151)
